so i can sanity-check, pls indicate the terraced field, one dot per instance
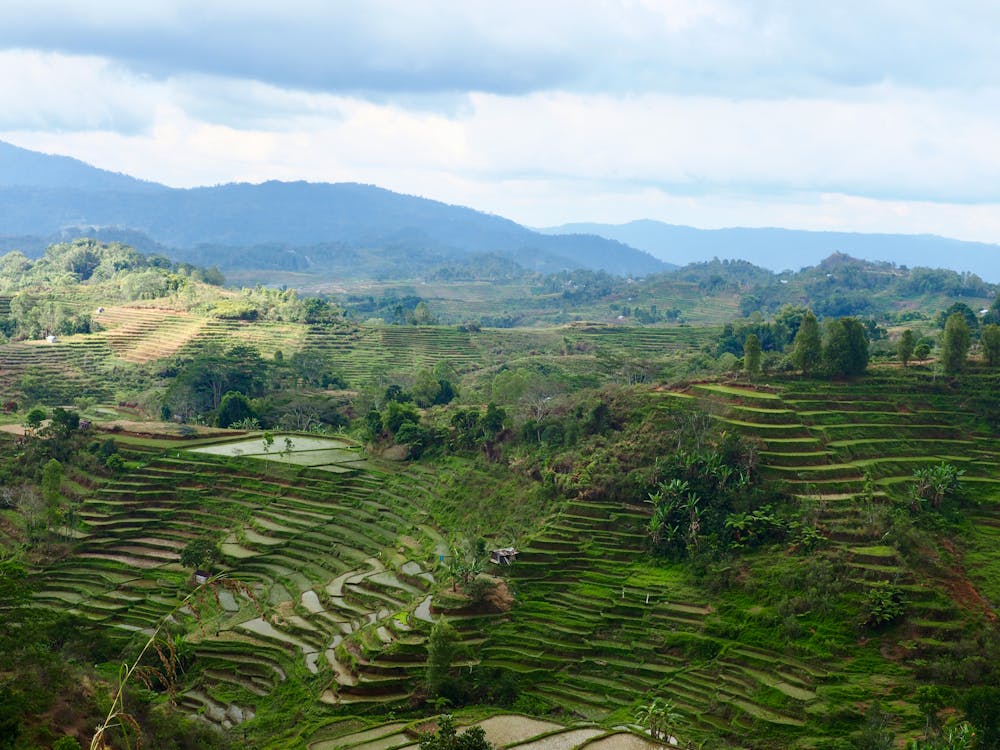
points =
(849, 451)
(597, 628)
(502, 730)
(325, 570)
(648, 342)
(69, 366)
(136, 335)
(142, 334)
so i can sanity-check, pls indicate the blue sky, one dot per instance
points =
(880, 115)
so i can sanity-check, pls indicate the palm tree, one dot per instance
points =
(658, 717)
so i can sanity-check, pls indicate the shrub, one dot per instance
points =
(883, 603)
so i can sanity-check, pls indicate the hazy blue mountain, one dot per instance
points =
(788, 249)
(308, 226)
(20, 167)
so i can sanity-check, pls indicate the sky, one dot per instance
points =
(873, 115)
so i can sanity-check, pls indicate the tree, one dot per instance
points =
(442, 647)
(808, 346)
(64, 422)
(199, 552)
(990, 339)
(234, 407)
(52, 475)
(447, 738)
(905, 346)
(751, 355)
(491, 422)
(955, 343)
(396, 413)
(935, 484)
(659, 717)
(34, 418)
(967, 313)
(115, 463)
(845, 352)
(930, 700)
(876, 734)
(421, 315)
(982, 709)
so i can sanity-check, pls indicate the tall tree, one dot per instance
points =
(52, 475)
(808, 346)
(846, 349)
(990, 339)
(955, 343)
(751, 354)
(905, 346)
(442, 648)
(234, 408)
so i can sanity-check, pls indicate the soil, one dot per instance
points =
(960, 589)
(170, 430)
(499, 599)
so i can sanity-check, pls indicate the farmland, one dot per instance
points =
(309, 557)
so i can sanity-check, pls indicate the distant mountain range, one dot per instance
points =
(790, 249)
(325, 229)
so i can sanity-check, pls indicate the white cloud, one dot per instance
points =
(56, 92)
(853, 115)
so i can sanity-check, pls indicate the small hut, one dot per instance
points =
(503, 556)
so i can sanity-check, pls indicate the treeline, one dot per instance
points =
(37, 289)
(236, 387)
(86, 260)
(795, 340)
(846, 286)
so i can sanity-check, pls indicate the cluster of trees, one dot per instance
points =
(839, 348)
(961, 329)
(391, 308)
(34, 315)
(842, 286)
(234, 386)
(647, 315)
(397, 418)
(957, 338)
(580, 286)
(711, 500)
(266, 303)
(90, 261)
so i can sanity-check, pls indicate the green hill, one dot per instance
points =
(781, 559)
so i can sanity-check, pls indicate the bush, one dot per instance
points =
(883, 603)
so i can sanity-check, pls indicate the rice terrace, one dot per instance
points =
(289, 463)
(273, 519)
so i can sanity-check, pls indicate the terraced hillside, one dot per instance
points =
(332, 560)
(325, 568)
(502, 730)
(598, 627)
(133, 335)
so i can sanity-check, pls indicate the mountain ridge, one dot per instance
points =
(780, 249)
(42, 196)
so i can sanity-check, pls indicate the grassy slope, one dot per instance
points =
(774, 652)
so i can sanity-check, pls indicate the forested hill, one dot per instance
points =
(298, 226)
(789, 249)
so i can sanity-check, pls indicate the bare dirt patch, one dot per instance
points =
(960, 589)
(162, 429)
